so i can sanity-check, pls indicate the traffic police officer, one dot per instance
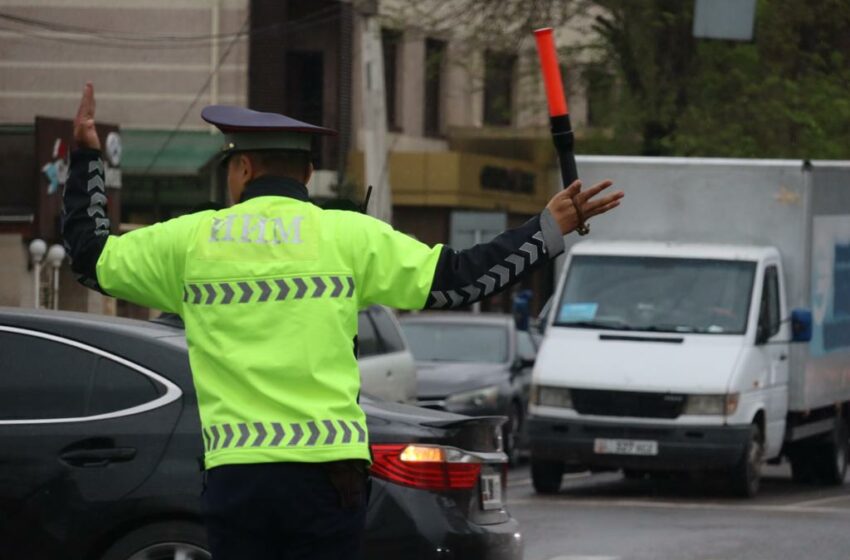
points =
(269, 291)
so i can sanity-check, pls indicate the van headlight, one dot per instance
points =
(711, 405)
(559, 397)
(486, 397)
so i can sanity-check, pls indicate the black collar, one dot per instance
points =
(275, 186)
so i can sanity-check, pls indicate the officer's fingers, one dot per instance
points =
(572, 190)
(564, 198)
(592, 205)
(609, 207)
(605, 204)
(594, 190)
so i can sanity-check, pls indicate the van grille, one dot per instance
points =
(624, 403)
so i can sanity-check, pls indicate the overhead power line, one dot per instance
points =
(46, 30)
(302, 24)
(201, 91)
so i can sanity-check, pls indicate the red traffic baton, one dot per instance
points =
(559, 113)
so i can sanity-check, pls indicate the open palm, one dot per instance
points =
(85, 134)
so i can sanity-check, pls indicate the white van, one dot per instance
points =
(682, 337)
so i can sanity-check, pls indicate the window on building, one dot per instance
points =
(304, 92)
(435, 54)
(498, 88)
(391, 44)
(599, 94)
(147, 199)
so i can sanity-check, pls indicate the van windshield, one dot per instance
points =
(657, 294)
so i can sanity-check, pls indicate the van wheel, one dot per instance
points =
(745, 478)
(162, 541)
(546, 476)
(830, 458)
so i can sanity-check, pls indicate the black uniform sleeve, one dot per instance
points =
(85, 226)
(464, 277)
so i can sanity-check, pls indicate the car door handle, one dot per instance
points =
(783, 357)
(98, 457)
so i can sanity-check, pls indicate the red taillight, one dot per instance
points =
(422, 466)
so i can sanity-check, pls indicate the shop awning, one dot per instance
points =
(185, 153)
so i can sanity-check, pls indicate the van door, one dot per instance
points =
(773, 335)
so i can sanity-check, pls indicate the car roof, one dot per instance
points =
(22, 316)
(459, 317)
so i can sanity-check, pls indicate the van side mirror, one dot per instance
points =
(523, 362)
(801, 325)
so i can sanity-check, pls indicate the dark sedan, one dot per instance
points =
(100, 454)
(474, 364)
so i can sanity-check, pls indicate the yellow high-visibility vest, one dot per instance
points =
(269, 290)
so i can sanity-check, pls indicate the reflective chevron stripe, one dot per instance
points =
(498, 277)
(268, 290)
(313, 433)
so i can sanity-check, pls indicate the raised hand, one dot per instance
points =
(571, 207)
(85, 134)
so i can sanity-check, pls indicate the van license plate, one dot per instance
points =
(625, 447)
(491, 491)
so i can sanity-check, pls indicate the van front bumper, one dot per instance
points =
(679, 447)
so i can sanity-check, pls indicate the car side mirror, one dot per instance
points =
(801, 325)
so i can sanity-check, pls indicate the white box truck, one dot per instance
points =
(704, 326)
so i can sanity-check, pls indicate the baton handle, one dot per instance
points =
(562, 137)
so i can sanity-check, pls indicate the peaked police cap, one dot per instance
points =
(245, 129)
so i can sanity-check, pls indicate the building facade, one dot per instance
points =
(463, 124)
(154, 65)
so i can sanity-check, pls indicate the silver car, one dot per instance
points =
(387, 369)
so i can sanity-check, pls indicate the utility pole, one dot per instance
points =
(374, 122)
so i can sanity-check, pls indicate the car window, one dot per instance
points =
(367, 340)
(526, 349)
(42, 379)
(387, 330)
(452, 341)
(117, 387)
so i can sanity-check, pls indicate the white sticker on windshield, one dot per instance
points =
(573, 312)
